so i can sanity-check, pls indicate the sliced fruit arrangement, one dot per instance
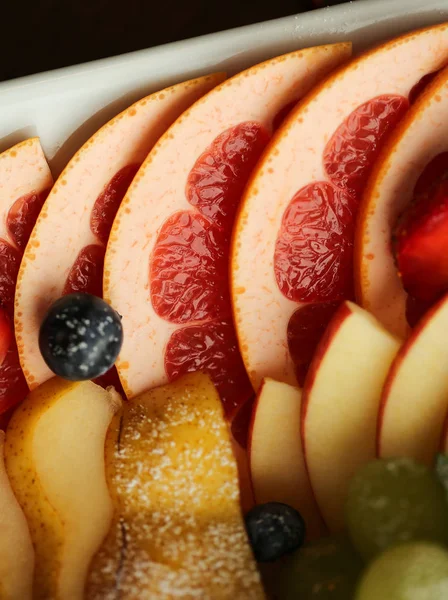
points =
(16, 548)
(25, 180)
(400, 262)
(179, 212)
(277, 464)
(299, 210)
(340, 405)
(54, 457)
(178, 525)
(66, 250)
(180, 491)
(414, 402)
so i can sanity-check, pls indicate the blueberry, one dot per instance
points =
(274, 529)
(80, 337)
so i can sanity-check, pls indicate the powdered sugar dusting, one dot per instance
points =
(176, 486)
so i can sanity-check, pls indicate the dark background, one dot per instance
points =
(45, 34)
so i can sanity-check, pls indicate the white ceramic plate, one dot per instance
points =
(66, 106)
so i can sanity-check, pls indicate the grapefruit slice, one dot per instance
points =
(292, 249)
(419, 142)
(167, 259)
(25, 180)
(66, 249)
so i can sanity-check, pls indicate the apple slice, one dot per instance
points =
(298, 213)
(340, 405)
(55, 462)
(415, 397)
(178, 532)
(16, 548)
(171, 284)
(277, 463)
(25, 181)
(66, 250)
(420, 138)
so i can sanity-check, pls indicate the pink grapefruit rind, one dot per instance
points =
(158, 192)
(63, 228)
(422, 135)
(293, 160)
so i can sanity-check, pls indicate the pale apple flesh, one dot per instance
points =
(277, 463)
(178, 528)
(256, 96)
(340, 405)
(16, 548)
(420, 137)
(415, 397)
(55, 243)
(55, 461)
(294, 160)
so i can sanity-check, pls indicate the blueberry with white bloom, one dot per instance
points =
(80, 337)
(274, 529)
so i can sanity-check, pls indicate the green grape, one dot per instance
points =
(325, 569)
(413, 571)
(392, 501)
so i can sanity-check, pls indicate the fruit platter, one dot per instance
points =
(223, 338)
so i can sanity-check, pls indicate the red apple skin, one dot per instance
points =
(341, 314)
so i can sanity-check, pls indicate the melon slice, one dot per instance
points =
(414, 403)
(422, 136)
(292, 252)
(25, 180)
(67, 246)
(167, 259)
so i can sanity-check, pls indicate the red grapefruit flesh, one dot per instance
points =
(305, 328)
(299, 210)
(170, 283)
(67, 247)
(421, 246)
(411, 167)
(6, 335)
(25, 180)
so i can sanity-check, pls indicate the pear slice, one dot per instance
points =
(178, 531)
(16, 548)
(55, 461)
